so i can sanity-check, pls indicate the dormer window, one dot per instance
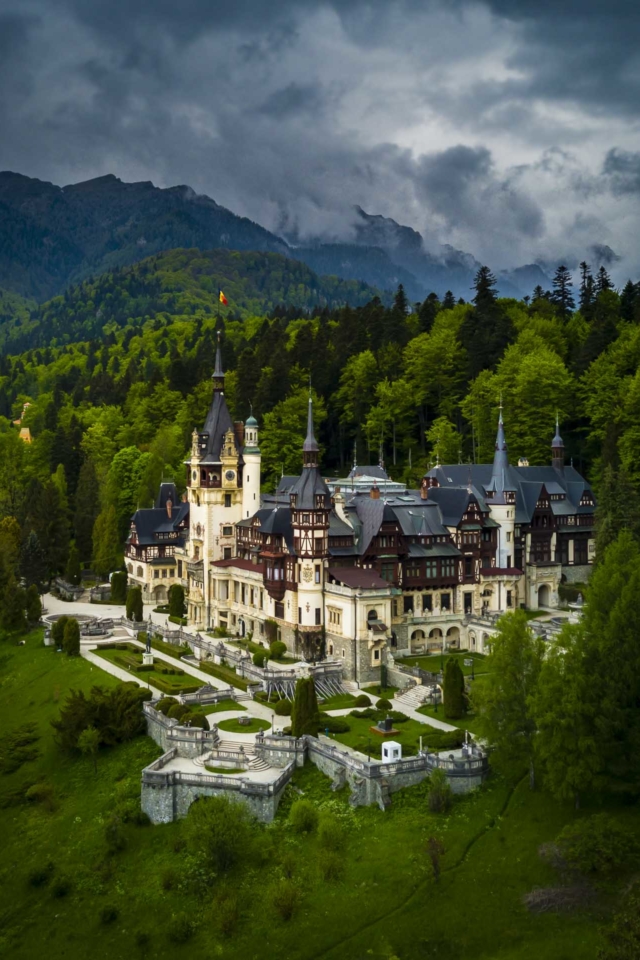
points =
(306, 518)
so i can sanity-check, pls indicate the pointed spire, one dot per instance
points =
(218, 372)
(500, 459)
(381, 455)
(557, 448)
(310, 446)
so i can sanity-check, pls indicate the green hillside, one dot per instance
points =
(181, 283)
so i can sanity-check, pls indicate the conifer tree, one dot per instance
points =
(33, 563)
(587, 290)
(618, 509)
(119, 586)
(453, 690)
(33, 604)
(87, 510)
(12, 604)
(400, 302)
(134, 604)
(71, 637)
(305, 717)
(176, 600)
(427, 311)
(448, 301)
(562, 296)
(603, 280)
(73, 570)
(628, 301)
(106, 542)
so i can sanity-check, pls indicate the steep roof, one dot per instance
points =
(356, 578)
(375, 472)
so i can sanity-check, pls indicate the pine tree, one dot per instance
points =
(486, 330)
(12, 606)
(400, 302)
(485, 292)
(587, 290)
(119, 586)
(453, 690)
(106, 542)
(73, 572)
(562, 296)
(538, 294)
(603, 280)
(33, 562)
(628, 301)
(305, 718)
(427, 311)
(618, 509)
(448, 301)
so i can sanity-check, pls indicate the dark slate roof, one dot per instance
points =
(377, 472)
(218, 422)
(278, 522)
(166, 492)
(370, 513)
(285, 485)
(356, 577)
(307, 487)
(154, 520)
(337, 526)
(433, 550)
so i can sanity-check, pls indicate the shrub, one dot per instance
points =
(57, 630)
(277, 649)
(597, 844)
(198, 720)
(368, 714)
(304, 715)
(303, 816)
(34, 604)
(119, 586)
(331, 865)
(180, 928)
(219, 829)
(71, 637)
(176, 600)
(334, 724)
(41, 793)
(383, 704)
(259, 658)
(362, 701)
(228, 914)
(285, 897)
(440, 796)
(116, 714)
(109, 914)
(60, 887)
(40, 876)
(397, 716)
(331, 835)
(165, 704)
(283, 708)
(178, 711)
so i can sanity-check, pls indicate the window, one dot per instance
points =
(468, 566)
(226, 553)
(180, 568)
(376, 654)
(394, 608)
(427, 602)
(299, 614)
(468, 602)
(508, 536)
(448, 568)
(509, 598)
(227, 531)
(227, 499)
(445, 601)
(196, 553)
(431, 569)
(412, 569)
(156, 574)
(305, 518)
(335, 617)
(318, 616)
(243, 593)
(408, 604)
(164, 574)
(279, 609)
(388, 572)
(486, 562)
(317, 574)
(562, 550)
(580, 551)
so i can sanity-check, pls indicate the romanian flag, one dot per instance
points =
(222, 298)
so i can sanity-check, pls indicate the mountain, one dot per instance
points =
(52, 236)
(179, 283)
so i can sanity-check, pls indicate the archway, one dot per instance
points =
(417, 641)
(486, 643)
(472, 640)
(544, 596)
(435, 639)
(453, 637)
(160, 595)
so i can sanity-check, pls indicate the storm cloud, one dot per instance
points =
(510, 130)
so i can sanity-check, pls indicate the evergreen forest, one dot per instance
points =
(112, 376)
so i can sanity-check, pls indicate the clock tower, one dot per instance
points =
(214, 481)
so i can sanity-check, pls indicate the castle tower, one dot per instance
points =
(214, 482)
(557, 449)
(310, 503)
(251, 472)
(501, 499)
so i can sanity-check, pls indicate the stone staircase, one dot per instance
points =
(413, 698)
(239, 697)
(228, 749)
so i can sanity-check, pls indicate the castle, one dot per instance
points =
(359, 569)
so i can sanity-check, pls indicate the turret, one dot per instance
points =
(251, 473)
(557, 449)
(501, 498)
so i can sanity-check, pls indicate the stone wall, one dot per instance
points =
(167, 733)
(577, 574)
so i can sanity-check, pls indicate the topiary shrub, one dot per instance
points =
(57, 630)
(283, 708)
(362, 701)
(119, 586)
(259, 658)
(71, 637)
(397, 716)
(303, 816)
(369, 714)
(305, 715)
(277, 649)
(178, 711)
(333, 724)
(165, 704)
(134, 604)
(198, 720)
(453, 690)
(383, 704)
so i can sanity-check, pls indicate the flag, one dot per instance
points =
(222, 297)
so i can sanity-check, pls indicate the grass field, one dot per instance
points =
(384, 905)
(361, 737)
(339, 701)
(223, 706)
(432, 664)
(468, 722)
(232, 725)
(226, 674)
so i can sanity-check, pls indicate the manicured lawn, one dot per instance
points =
(432, 664)
(361, 738)
(222, 706)
(232, 726)
(258, 647)
(376, 692)
(385, 903)
(170, 649)
(224, 769)
(226, 674)
(180, 682)
(468, 722)
(340, 701)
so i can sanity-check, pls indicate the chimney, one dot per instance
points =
(374, 493)
(238, 429)
(424, 489)
(169, 507)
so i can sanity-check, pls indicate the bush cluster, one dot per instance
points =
(362, 700)
(116, 714)
(283, 708)
(333, 724)
(303, 816)
(277, 649)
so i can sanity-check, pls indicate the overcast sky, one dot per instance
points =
(508, 129)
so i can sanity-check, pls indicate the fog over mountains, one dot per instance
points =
(53, 236)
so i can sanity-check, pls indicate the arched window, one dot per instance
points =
(139, 572)
(372, 615)
(130, 567)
